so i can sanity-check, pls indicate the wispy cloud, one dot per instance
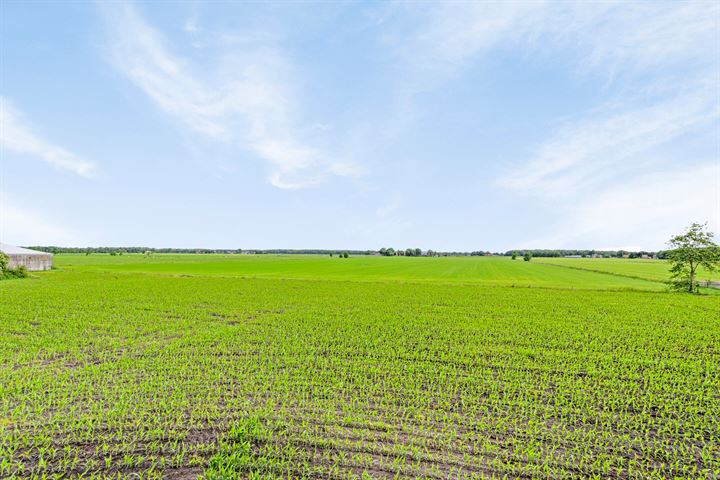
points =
(668, 53)
(613, 141)
(243, 96)
(17, 136)
(660, 60)
(388, 208)
(647, 209)
(602, 37)
(20, 225)
(642, 36)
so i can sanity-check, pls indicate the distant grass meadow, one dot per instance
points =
(270, 367)
(580, 273)
(656, 270)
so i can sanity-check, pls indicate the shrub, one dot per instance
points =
(6, 272)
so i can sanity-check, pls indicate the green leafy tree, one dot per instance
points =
(527, 257)
(514, 255)
(689, 251)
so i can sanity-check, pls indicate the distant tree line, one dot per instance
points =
(587, 253)
(222, 251)
(389, 252)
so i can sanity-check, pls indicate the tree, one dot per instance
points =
(695, 248)
(418, 252)
(514, 255)
(345, 255)
(527, 256)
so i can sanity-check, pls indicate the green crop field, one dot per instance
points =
(270, 367)
(473, 270)
(656, 270)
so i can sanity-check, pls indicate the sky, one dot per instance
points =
(358, 125)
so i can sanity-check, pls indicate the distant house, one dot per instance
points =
(30, 259)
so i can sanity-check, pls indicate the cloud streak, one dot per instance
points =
(612, 142)
(23, 226)
(16, 136)
(603, 37)
(661, 62)
(646, 209)
(242, 98)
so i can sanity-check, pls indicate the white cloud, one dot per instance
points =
(603, 37)
(191, 26)
(641, 36)
(647, 209)
(23, 226)
(243, 96)
(665, 55)
(436, 41)
(612, 141)
(16, 136)
(388, 208)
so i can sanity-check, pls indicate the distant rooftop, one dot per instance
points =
(13, 250)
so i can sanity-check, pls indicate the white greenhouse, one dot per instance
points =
(31, 259)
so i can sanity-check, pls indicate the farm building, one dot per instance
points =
(31, 259)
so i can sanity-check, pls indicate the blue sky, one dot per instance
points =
(451, 126)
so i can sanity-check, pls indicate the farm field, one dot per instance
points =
(657, 270)
(187, 366)
(473, 270)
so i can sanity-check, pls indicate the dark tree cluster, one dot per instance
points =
(408, 252)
